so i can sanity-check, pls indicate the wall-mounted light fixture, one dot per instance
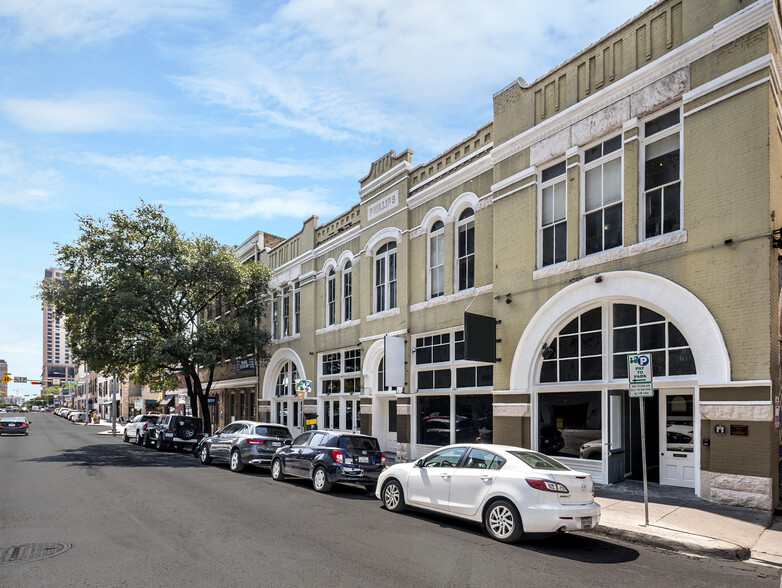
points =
(598, 279)
(546, 352)
(508, 298)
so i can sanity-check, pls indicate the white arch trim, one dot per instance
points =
(371, 364)
(386, 234)
(432, 215)
(273, 369)
(329, 263)
(466, 200)
(676, 303)
(345, 256)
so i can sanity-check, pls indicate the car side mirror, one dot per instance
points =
(288, 442)
(419, 463)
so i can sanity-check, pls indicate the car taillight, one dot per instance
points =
(144, 427)
(24, 424)
(256, 441)
(338, 456)
(547, 485)
(382, 459)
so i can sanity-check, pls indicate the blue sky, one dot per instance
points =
(236, 115)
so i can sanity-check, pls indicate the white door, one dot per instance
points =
(677, 438)
(288, 413)
(430, 484)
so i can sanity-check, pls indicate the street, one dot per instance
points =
(139, 517)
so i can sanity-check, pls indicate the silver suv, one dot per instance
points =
(244, 443)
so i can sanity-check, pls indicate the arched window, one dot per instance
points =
(347, 292)
(465, 250)
(331, 297)
(286, 380)
(437, 260)
(385, 277)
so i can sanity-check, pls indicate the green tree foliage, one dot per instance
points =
(138, 300)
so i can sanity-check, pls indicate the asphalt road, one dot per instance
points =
(139, 517)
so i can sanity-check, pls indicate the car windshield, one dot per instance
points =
(361, 443)
(539, 461)
(278, 432)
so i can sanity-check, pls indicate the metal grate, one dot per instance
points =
(13, 554)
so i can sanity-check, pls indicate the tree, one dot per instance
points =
(135, 294)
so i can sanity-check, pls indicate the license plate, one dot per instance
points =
(586, 522)
(363, 460)
(276, 444)
(12, 425)
(169, 434)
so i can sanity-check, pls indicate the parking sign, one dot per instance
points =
(639, 374)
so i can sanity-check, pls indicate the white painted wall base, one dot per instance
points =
(734, 490)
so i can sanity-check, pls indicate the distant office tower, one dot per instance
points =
(3, 370)
(57, 362)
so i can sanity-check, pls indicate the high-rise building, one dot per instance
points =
(57, 361)
(3, 370)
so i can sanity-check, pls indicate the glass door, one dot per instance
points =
(617, 436)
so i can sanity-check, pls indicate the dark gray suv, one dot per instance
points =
(244, 443)
(329, 457)
(174, 431)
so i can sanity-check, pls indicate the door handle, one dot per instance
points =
(445, 475)
(485, 478)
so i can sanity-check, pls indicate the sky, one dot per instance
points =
(239, 115)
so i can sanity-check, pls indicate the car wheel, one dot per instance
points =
(160, 445)
(277, 472)
(503, 521)
(393, 497)
(125, 437)
(138, 439)
(187, 432)
(146, 442)
(319, 480)
(236, 463)
(205, 459)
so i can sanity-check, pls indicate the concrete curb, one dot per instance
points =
(677, 541)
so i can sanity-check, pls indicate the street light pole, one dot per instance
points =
(114, 406)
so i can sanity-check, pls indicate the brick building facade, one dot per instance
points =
(624, 202)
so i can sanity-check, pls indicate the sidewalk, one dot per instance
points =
(680, 521)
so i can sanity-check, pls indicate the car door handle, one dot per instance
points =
(445, 475)
(486, 478)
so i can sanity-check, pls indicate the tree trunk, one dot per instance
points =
(202, 396)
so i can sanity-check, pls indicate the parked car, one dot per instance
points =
(136, 428)
(329, 457)
(14, 425)
(78, 417)
(244, 443)
(509, 490)
(175, 431)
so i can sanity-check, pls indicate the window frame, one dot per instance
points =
(331, 297)
(463, 225)
(296, 308)
(646, 141)
(435, 233)
(552, 182)
(347, 292)
(384, 295)
(586, 167)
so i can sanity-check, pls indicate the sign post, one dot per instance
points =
(639, 374)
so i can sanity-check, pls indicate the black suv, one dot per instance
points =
(175, 431)
(328, 457)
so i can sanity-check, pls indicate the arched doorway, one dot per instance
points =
(279, 388)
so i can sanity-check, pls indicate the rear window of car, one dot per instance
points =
(539, 461)
(12, 419)
(149, 419)
(277, 432)
(361, 443)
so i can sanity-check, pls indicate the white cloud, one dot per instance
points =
(350, 69)
(23, 185)
(83, 113)
(230, 188)
(86, 21)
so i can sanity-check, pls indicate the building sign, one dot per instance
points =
(182, 398)
(382, 205)
(245, 364)
(303, 387)
(137, 404)
(639, 373)
(211, 400)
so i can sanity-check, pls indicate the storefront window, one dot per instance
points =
(473, 421)
(568, 421)
(434, 421)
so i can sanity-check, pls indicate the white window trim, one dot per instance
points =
(342, 398)
(677, 128)
(541, 187)
(619, 153)
(346, 272)
(453, 364)
(387, 292)
(458, 225)
(331, 296)
(439, 233)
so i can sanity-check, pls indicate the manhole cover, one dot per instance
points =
(13, 554)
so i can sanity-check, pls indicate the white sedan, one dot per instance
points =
(511, 491)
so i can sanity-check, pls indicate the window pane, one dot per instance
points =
(626, 339)
(591, 320)
(675, 337)
(560, 242)
(485, 375)
(681, 362)
(594, 232)
(592, 343)
(568, 346)
(474, 418)
(592, 368)
(613, 144)
(594, 188)
(613, 226)
(426, 380)
(652, 337)
(654, 213)
(612, 181)
(620, 365)
(465, 377)
(672, 208)
(434, 423)
(660, 123)
(442, 379)
(547, 208)
(560, 201)
(568, 370)
(568, 421)
(650, 316)
(547, 246)
(662, 162)
(625, 314)
(553, 171)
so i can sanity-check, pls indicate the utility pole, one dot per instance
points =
(114, 406)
